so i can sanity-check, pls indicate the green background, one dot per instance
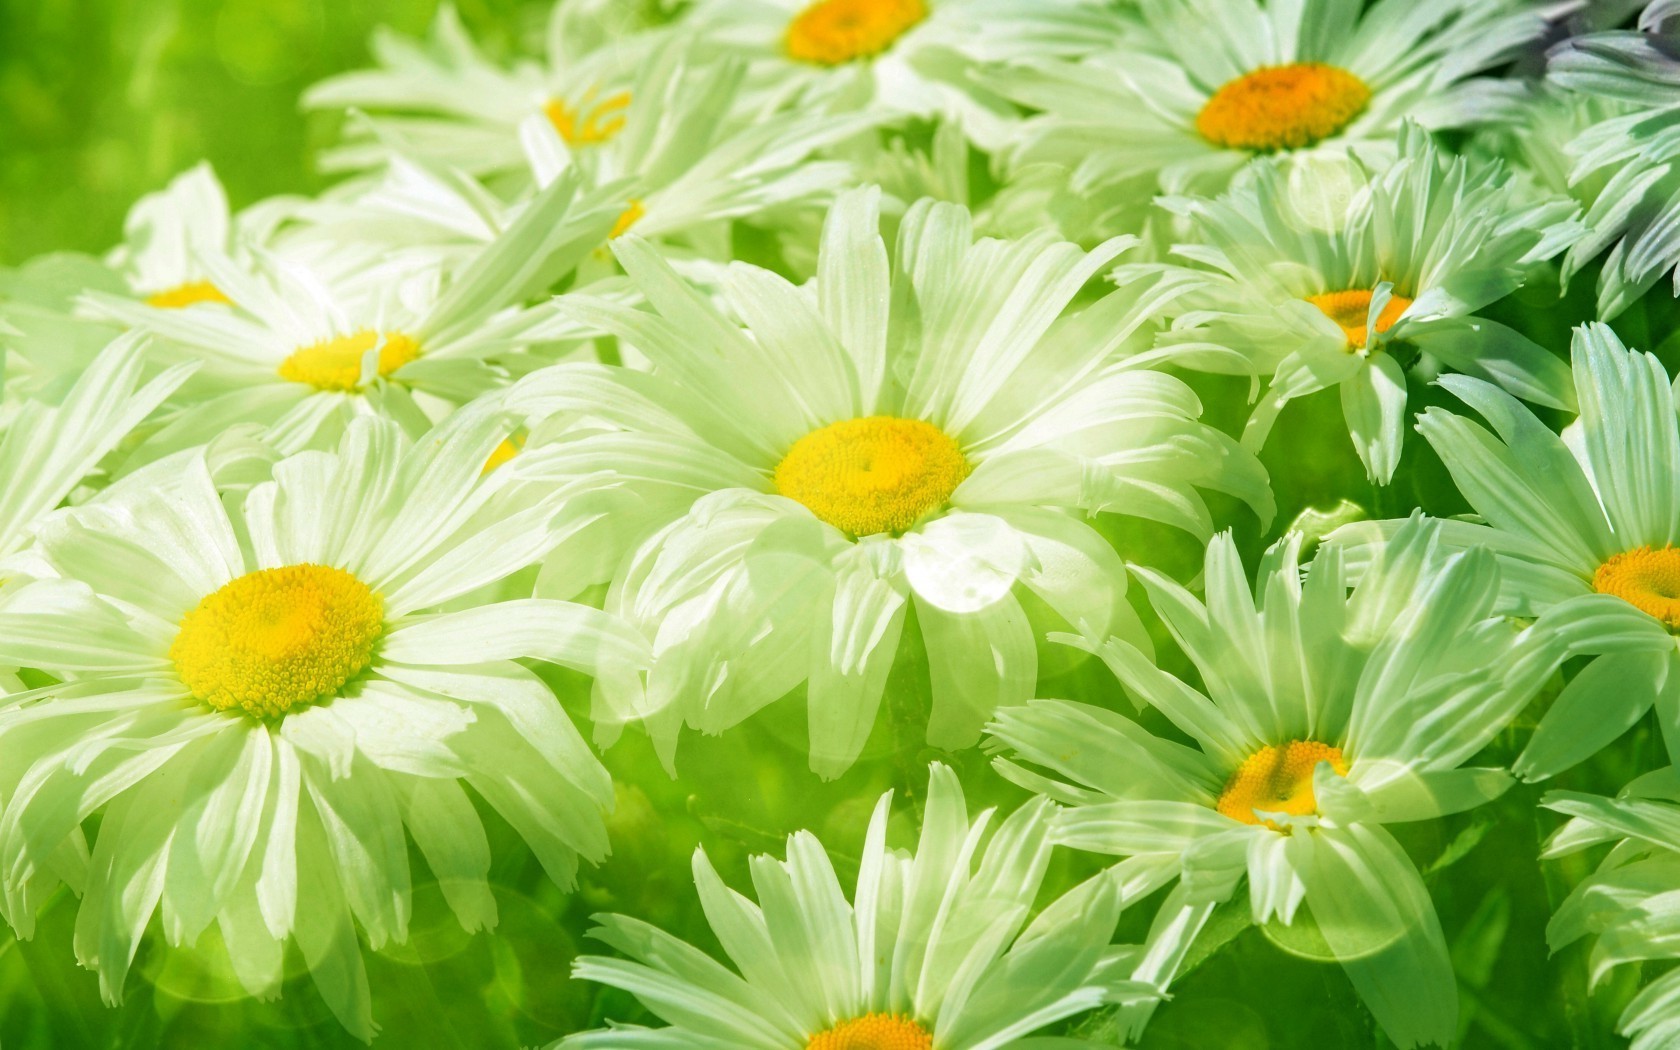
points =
(102, 100)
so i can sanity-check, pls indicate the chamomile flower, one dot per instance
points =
(303, 356)
(1327, 713)
(923, 433)
(258, 702)
(1628, 904)
(1200, 87)
(1342, 278)
(1585, 529)
(901, 58)
(934, 948)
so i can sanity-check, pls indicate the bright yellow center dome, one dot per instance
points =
(1278, 780)
(1282, 107)
(1352, 309)
(276, 639)
(592, 121)
(1647, 579)
(871, 475)
(337, 363)
(187, 294)
(874, 1032)
(834, 32)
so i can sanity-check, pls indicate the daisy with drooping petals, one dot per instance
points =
(1585, 528)
(257, 703)
(1327, 713)
(1200, 87)
(1315, 290)
(933, 950)
(925, 431)
(1629, 903)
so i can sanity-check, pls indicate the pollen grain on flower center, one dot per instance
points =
(874, 1032)
(278, 639)
(592, 121)
(336, 364)
(1646, 578)
(191, 293)
(1278, 780)
(834, 32)
(874, 474)
(1282, 107)
(1351, 310)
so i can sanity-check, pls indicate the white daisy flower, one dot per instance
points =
(934, 948)
(1199, 87)
(1327, 714)
(1585, 528)
(1629, 904)
(924, 433)
(302, 356)
(901, 58)
(257, 703)
(1337, 277)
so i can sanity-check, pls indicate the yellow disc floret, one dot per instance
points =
(627, 218)
(1646, 578)
(834, 32)
(1352, 309)
(874, 1032)
(1278, 780)
(337, 363)
(1282, 107)
(188, 294)
(877, 474)
(592, 121)
(277, 639)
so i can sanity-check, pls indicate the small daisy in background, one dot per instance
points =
(1328, 712)
(257, 702)
(940, 947)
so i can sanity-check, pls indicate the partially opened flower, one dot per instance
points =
(1325, 714)
(934, 948)
(1348, 278)
(927, 432)
(1585, 528)
(256, 703)
(1628, 905)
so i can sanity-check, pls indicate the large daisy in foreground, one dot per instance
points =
(934, 949)
(257, 704)
(1585, 528)
(928, 432)
(1328, 713)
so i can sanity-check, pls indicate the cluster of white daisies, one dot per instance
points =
(294, 495)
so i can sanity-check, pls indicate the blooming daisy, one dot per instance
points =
(934, 948)
(1585, 529)
(1318, 290)
(1629, 903)
(1327, 714)
(926, 433)
(257, 702)
(302, 356)
(1199, 87)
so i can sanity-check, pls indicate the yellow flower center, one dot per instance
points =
(276, 639)
(874, 1032)
(1278, 780)
(186, 295)
(1647, 579)
(1352, 309)
(1282, 107)
(627, 218)
(878, 474)
(510, 447)
(834, 32)
(593, 121)
(337, 363)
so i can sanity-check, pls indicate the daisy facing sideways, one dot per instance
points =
(1585, 528)
(934, 948)
(924, 430)
(258, 702)
(1327, 713)
(1314, 290)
